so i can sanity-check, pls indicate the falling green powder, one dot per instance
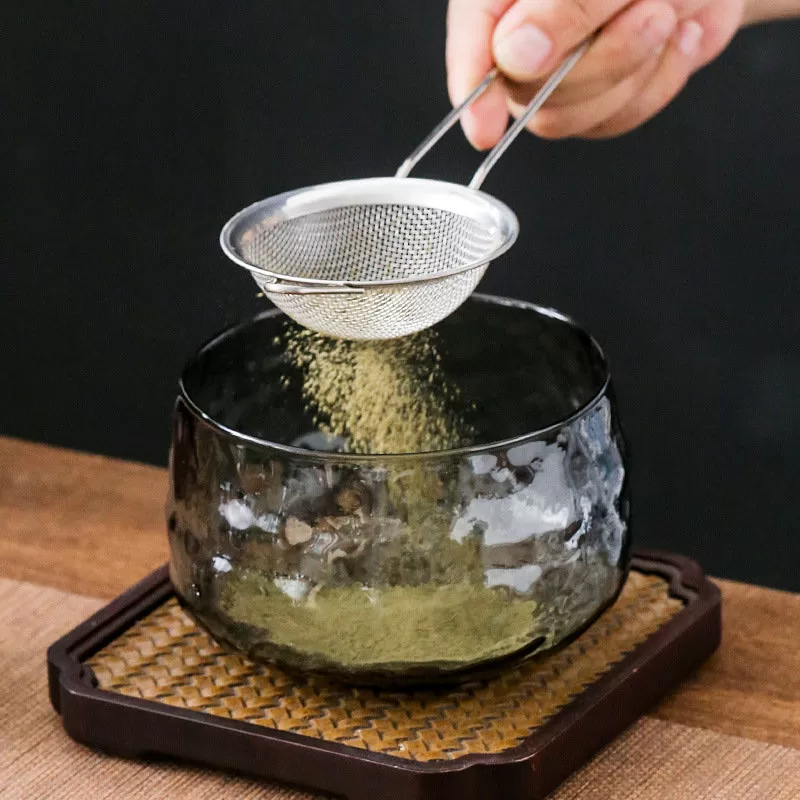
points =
(387, 397)
(381, 396)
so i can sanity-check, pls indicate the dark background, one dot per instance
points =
(131, 133)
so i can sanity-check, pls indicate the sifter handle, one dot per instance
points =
(455, 114)
(538, 101)
(441, 129)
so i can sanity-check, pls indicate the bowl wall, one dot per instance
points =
(388, 569)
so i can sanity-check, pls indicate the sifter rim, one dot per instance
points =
(321, 196)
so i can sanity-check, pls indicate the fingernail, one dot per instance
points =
(689, 37)
(524, 51)
(657, 29)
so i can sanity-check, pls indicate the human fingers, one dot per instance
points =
(678, 62)
(533, 36)
(633, 39)
(576, 119)
(696, 42)
(470, 24)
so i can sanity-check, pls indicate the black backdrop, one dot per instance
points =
(131, 132)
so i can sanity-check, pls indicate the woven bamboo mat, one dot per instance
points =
(166, 658)
(653, 761)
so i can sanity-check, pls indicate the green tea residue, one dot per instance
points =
(360, 627)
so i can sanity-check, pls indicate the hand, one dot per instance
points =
(645, 53)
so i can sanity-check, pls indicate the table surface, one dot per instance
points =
(92, 525)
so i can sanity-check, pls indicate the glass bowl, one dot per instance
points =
(393, 569)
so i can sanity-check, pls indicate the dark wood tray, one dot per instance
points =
(139, 679)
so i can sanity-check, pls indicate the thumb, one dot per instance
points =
(533, 36)
(470, 24)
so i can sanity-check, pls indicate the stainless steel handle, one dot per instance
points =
(279, 287)
(513, 131)
(518, 125)
(441, 129)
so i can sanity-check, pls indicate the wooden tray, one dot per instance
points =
(139, 679)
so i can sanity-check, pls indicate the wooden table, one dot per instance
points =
(92, 525)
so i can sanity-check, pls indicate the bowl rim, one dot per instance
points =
(377, 458)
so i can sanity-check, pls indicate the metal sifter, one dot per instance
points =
(381, 258)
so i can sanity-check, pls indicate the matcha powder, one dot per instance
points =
(404, 593)
(381, 396)
(362, 628)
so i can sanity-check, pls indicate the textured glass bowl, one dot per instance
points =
(321, 561)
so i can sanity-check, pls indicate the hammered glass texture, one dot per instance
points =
(549, 514)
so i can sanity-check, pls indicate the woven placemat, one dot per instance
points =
(654, 760)
(165, 657)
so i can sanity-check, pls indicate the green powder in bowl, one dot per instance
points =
(416, 601)
(398, 512)
(357, 627)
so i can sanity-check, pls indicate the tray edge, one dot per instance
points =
(528, 771)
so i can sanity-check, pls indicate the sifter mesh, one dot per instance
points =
(370, 243)
(382, 257)
(380, 313)
(371, 259)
